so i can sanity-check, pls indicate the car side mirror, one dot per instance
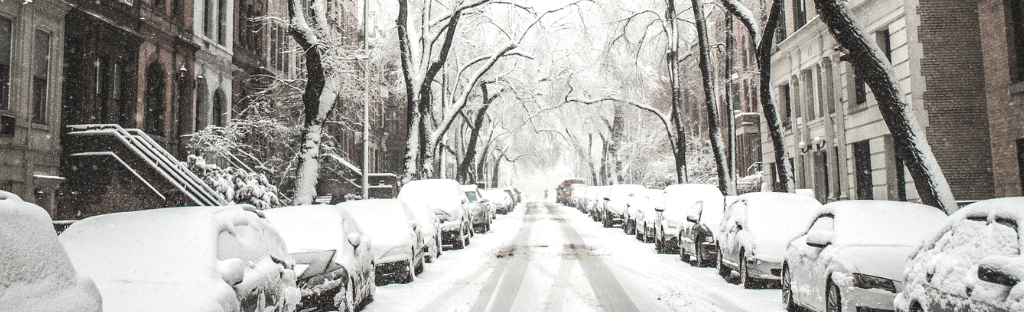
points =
(232, 270)
(693, 217)
(659, 208)
(414, 224)
(355, 239)
(995, 270)
(819, 239)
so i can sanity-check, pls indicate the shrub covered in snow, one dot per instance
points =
(36, 273)
(237, 185)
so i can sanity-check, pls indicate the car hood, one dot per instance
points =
(881, 261)
(134, 296)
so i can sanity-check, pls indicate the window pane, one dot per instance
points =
(40, 67)
(5, 62)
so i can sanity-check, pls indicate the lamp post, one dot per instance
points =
(366, 103)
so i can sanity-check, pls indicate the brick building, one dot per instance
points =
(840, 145)
(1002, 42)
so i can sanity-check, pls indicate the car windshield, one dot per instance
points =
(471, 196)
(884, 222)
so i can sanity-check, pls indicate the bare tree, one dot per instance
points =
(714, 130)
(911, 144)
(762, 42)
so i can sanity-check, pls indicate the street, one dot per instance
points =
(548, 257)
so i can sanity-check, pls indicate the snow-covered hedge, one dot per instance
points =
(237, 185)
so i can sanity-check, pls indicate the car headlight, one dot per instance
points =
(867, 282)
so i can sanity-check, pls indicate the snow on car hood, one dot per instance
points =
(150, 296)
(881, 261)
(385, 223)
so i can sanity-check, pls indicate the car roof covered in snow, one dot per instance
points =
(882, 222)
(166, 244)
(682, 196)
(36, 273)
(375, 215)
(437, 193)
(310, 227)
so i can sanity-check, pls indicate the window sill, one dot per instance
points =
(1015, 88)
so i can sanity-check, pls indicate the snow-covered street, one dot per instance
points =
(548, 257)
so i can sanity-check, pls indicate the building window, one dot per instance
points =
(787, 103)
(208, 18)
(883, 42)
(859, 87)
(1017, 21)
(118, 92)
(40, 72)
(202, 110)
(862, 162)
(799, 14)
(222, 22)
(1020, 163)
(158, 6)
(154, 99)
(5, 63)
(99, 100)
(218, 108)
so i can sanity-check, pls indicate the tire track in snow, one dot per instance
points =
(514, 263)
(605, 286)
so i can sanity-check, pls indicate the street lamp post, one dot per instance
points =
(366, 103)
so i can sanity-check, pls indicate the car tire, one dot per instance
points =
(683, 256)
(916, 307)
(437, 252)
(347, 302)
(698, 256)
(658, 243)
(787, 290)
(723, 271)
(606, 221)
(745, 278)
(833, 298)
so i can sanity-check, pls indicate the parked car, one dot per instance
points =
(615, 205)
(397, 246)
(755, 231)
(852, 256)
(445, 198)
(429, 228)
(648, 218)
(479, 209)
(226, 258)
(972, 262)
(36, 273)
(514, 194)
(333, 257)
(643, 200)
(500, 199)
(593, 197)
(577, 197)
(671, 218)
(697, 241)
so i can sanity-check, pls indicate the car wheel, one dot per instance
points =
(722, 269)
(916, 307)
(683, 256)
(421, 265)
(745, 278)
(606, 221)
(698, 255)
(657, 243)
(468, 236)
(833, 299)
(437, 252)
(787, 290)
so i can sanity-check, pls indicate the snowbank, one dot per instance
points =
(36, 273)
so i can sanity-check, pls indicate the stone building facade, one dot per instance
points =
(31, 54)
(840, 145)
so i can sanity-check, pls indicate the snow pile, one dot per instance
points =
(36, 273)
(174, 259)
(235, 184)
(945, 265)
(750, 183)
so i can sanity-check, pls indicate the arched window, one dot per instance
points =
(154, 99)
(202, 107)
(218, 108)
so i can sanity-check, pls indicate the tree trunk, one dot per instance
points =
(318, 97)
(715, 132)
(911, 144)
(679, 148)
(730, 120)
(474, 136)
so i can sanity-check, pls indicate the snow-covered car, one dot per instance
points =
(615, 205)
(226, 258)
(852, 256)
(514, 194)
(575, 194)
(479, 208)
(36, 273)
(648, 218)
(333, 258)
(591, 199)
(391, 227)
(429, 228)
(697, 241)
(972, 262)
(642, 202)
(445, 198)
(755, 231)
(500, 199)
(678, 199)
